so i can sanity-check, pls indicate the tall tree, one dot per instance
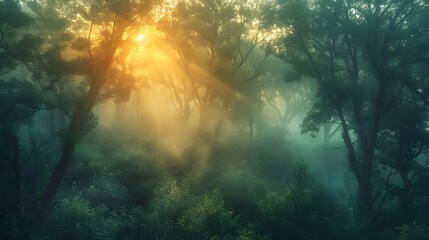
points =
(352, 49)
(101, 28)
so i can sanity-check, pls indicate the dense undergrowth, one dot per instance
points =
(128, 188)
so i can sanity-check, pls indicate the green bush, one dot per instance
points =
(106, 188)
(302, 209)
(128, 224)
(74, 218)
(207, 218)
(406, 232)
(176, 213)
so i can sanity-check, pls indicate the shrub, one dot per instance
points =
(74, 218)
(176, 213)
(413, 232)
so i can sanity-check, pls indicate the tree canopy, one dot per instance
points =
(188, 119)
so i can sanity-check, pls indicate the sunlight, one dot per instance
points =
(140, 38)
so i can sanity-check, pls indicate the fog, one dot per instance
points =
(214, 119)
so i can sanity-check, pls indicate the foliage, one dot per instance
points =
(74, 218)
(362, 81)
(178, 214)
(407, 232)
(227, 166)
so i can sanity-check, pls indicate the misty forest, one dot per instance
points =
(214, 119)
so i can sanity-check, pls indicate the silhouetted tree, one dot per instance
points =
(403, 140)
(109, 21)
(354, 52)
(20, 98)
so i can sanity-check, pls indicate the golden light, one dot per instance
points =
(140, 38)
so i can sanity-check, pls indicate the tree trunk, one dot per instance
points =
(361, 174)
(54, 182)
(75, 130)
(364, 204)
(80, 115)
(63, 119)
(18, 175)
(405, 193)
(326, 133)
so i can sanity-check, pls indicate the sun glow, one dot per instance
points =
(140, 38)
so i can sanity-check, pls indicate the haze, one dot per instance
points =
(204, 119)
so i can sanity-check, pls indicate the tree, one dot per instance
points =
(112, 22)
(402, 141)
(357, 75)
(20, 98)
(215, 44)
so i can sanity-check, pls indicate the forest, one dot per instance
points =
(214, 119)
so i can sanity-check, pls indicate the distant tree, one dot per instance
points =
(215, 44)
(20, 98)
(404, 139)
